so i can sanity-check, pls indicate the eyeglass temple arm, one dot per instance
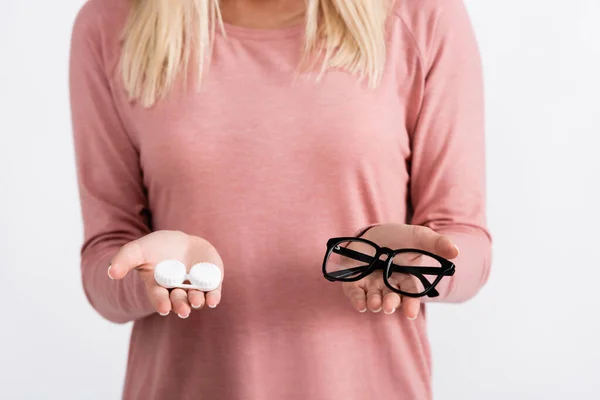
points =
(350, 271)
(431, 292)
(355, 255)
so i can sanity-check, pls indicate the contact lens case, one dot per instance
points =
(203, 276)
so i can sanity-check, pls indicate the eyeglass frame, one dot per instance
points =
(376, 263)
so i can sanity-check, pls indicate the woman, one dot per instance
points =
(247, 133)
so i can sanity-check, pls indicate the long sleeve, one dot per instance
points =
(447, 188)
(112, 197)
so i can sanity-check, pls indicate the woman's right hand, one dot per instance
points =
(142, 255)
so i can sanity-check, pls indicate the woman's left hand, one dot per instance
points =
(370, 293)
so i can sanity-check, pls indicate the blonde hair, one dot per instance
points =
(163, 39)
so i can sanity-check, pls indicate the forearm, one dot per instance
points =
(119, 301)
(472, 266)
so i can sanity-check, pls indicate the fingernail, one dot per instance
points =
(457, 250)
(212, 305)
(378, 310)
(413, 318)
(391, 312)
(363, 310)
(108, 272)
(196, 306)
(183, 316)
(165, 314)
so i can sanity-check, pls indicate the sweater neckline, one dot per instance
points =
(263, 34)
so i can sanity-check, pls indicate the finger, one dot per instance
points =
(357, 296)
(213, 298)
(159, 297)
(411, 307)
(128, 257)
(391, 301)
(374, 300)
(433, 242)
(180, 303)
(196, 298)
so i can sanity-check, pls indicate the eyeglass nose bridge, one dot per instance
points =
(385, 251)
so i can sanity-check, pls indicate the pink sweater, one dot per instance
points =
(267, 168)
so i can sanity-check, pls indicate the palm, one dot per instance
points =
(165, 245)
(143, 254)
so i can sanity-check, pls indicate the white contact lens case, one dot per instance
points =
(203, 276)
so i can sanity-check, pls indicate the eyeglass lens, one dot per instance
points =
(349, 259)
(418, 277)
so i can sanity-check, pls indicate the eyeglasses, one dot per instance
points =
(409, 272)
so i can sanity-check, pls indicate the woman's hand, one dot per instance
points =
(141, 256)
(371, 293)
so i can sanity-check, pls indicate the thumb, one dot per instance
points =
(433, 242)
(129, 257)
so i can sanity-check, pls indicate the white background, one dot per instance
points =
(532, 333)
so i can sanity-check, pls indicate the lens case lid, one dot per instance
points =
(203, 276)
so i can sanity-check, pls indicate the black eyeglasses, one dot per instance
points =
(409, 272)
